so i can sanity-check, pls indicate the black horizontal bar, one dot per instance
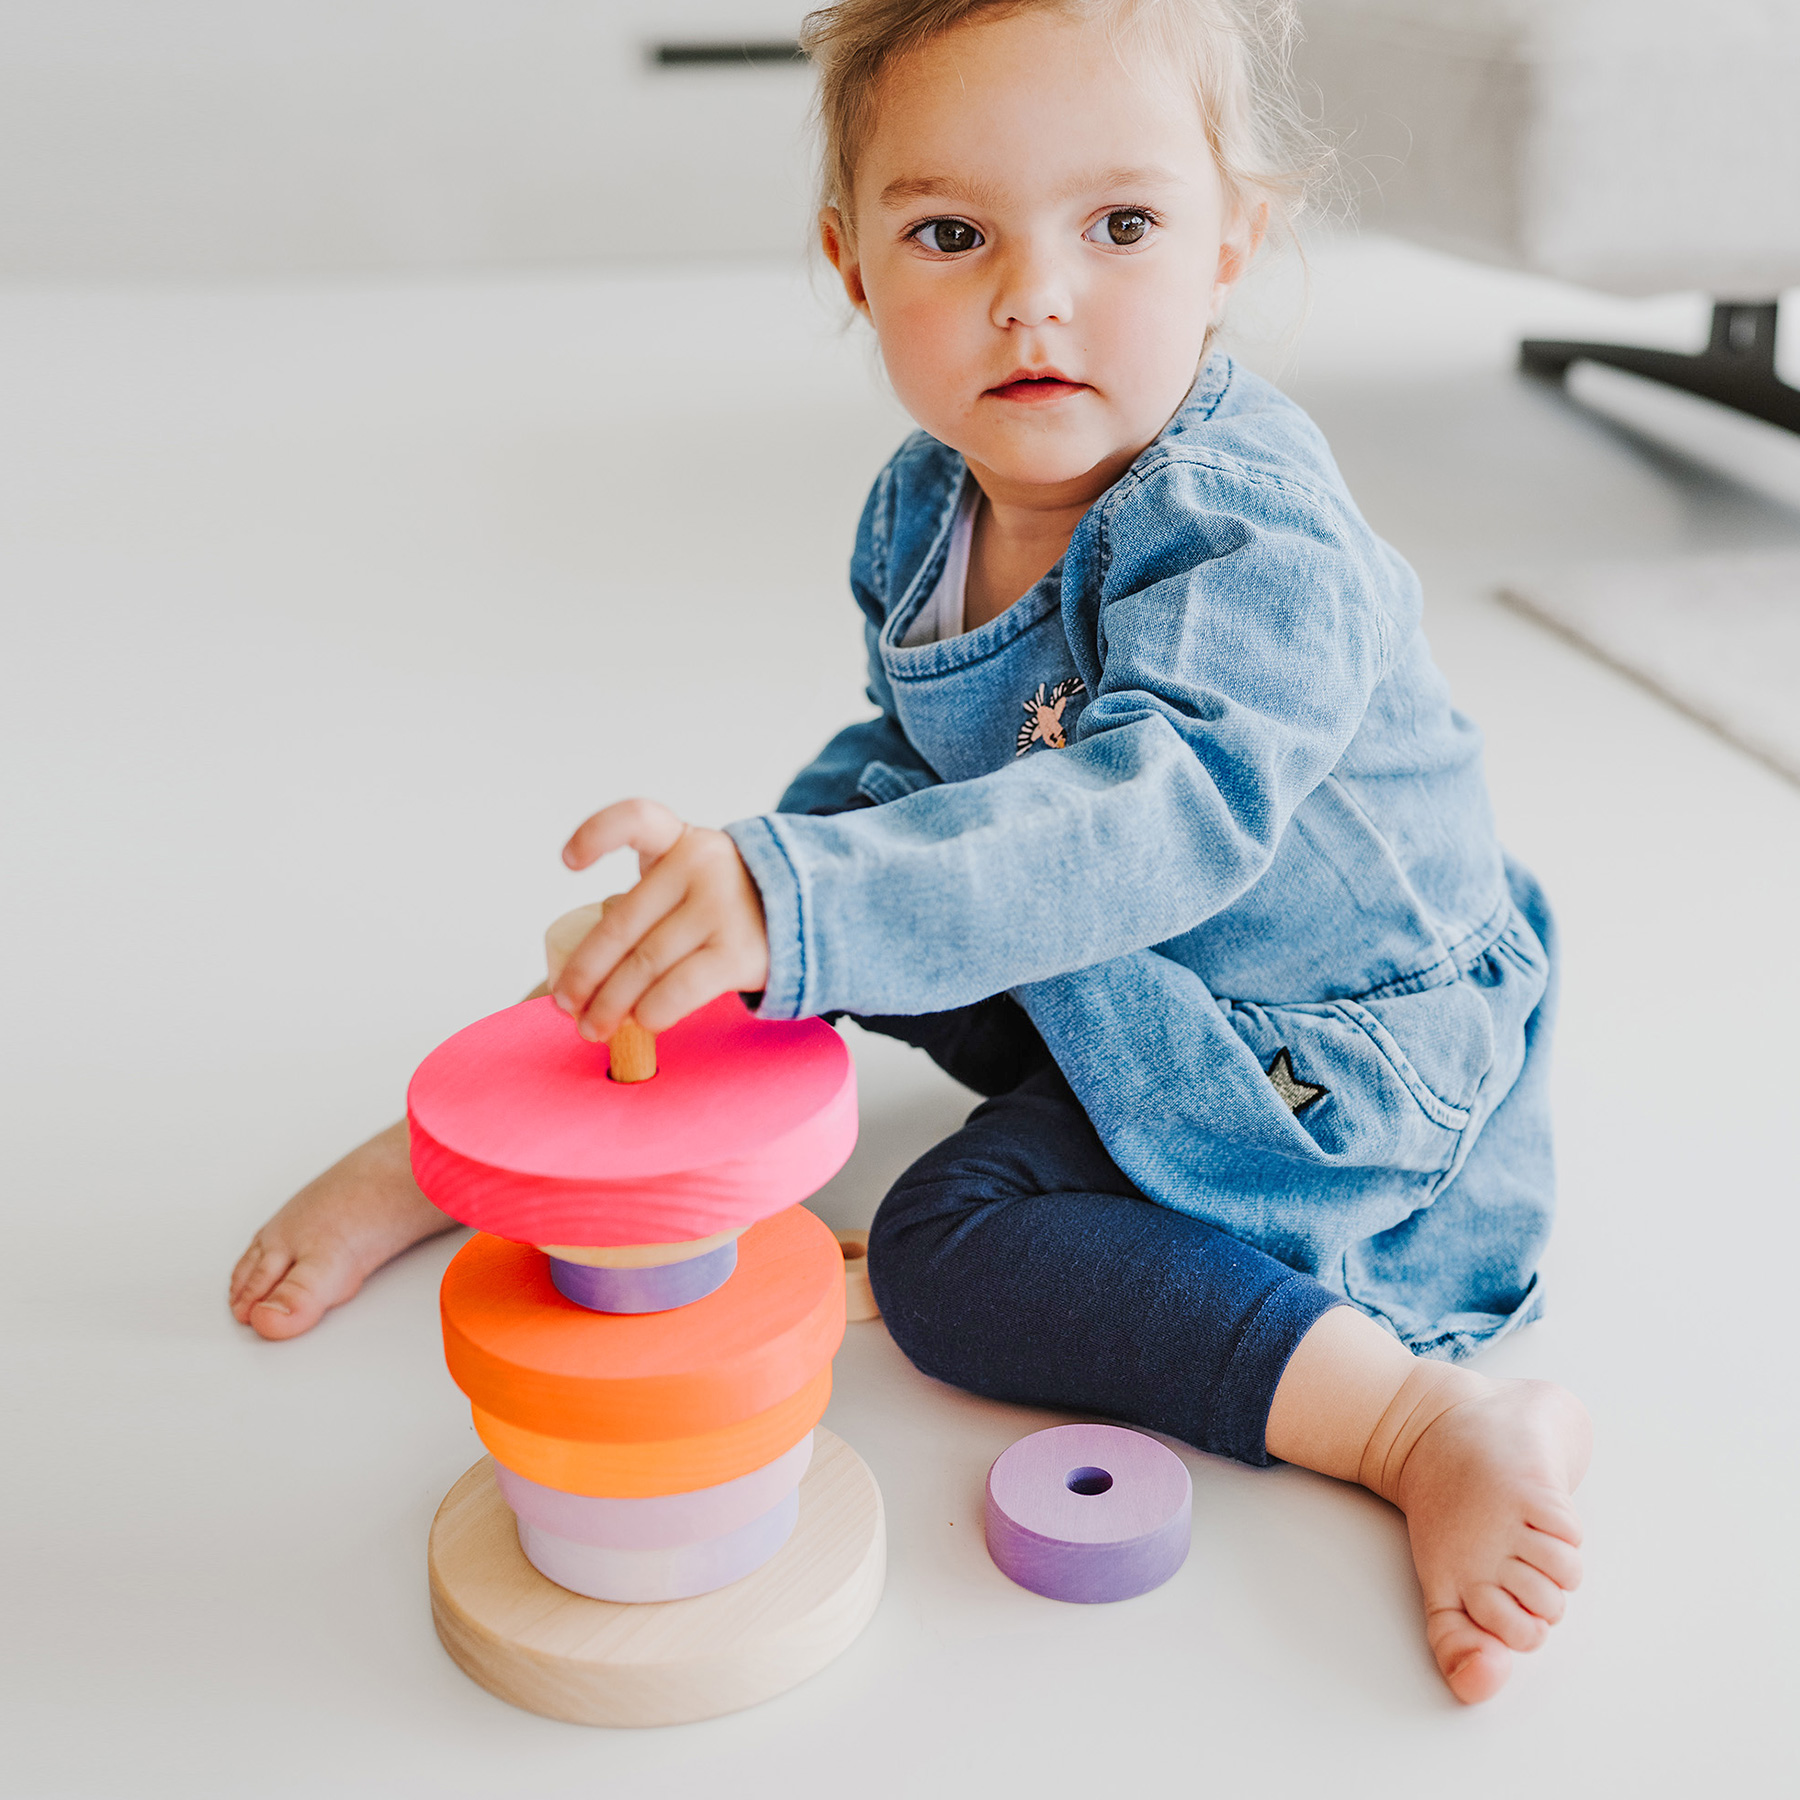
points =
(689, 56)
(1712, 375)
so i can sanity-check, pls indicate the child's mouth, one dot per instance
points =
(1035, 390)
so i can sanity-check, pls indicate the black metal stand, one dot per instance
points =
(1736, 369)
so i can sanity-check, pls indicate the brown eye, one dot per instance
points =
(1127, 226)
(948, 236)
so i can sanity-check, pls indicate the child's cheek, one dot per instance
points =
(927, 349)
(1149, 338)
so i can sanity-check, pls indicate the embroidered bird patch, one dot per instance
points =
(1296, 1094)
(1044, 716)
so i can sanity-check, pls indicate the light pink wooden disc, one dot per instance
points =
(518, 1130)
(673, 1574)
(659, 1523)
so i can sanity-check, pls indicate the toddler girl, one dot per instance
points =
(1165, 834)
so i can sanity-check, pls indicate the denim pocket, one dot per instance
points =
(1440, 1042)
(1374, 1107)
(1408, 1076)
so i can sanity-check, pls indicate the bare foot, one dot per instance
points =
(315, 1253)
(1484, 1471)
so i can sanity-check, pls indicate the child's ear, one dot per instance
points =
(1244, 233)
(839, 245)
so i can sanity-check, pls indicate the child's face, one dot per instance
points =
(1009, 159)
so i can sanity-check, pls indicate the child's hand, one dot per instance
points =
(690, 930)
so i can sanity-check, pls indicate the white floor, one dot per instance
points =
(329, 611)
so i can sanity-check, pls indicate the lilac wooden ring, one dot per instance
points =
(1089, 1512)
(660, 1523)
(674, 1574)
(660, 1288)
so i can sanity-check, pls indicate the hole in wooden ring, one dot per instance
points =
(1088, 1481)
(852, 1252)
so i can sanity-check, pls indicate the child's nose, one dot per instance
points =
(1034, 289)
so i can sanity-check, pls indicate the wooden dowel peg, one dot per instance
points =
(632, 1050)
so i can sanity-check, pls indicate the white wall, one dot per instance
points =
(245, 137)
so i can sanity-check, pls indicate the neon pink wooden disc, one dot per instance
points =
(663, 1521)
(1089, 1512)
(518, 1129)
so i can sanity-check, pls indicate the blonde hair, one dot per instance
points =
(1235, 53)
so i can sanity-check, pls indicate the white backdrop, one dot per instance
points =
(265, 137)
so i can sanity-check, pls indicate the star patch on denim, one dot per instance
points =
(1298, 1095)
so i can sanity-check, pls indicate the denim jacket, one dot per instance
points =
(1199, 801)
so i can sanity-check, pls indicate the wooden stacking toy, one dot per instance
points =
(1089, 1512)
(663, 1530)
(859, 1297)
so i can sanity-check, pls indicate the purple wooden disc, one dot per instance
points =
(674, 1574)
(658, 1289)
(1089, 1512)
(663, 1521)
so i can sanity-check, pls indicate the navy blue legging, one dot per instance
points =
(1017, 1261)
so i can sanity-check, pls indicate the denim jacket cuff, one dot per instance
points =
(777, 882)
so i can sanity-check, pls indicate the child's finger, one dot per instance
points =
(645, 826)
(676, 937)
(624, 920)
(687, 987)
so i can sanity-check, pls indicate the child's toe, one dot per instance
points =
(1498, 1613)
(1551, 1556)
(298, 1301)
(1473, 1662)
(1534, 1591)
(258, 1270)
(1554, 1517)
(244, 1268)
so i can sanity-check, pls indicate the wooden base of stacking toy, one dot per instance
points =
(597, 1662)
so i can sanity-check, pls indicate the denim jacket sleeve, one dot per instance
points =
(1231, 626)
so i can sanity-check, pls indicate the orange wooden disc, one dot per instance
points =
(658, 1466)
(524, 1354)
